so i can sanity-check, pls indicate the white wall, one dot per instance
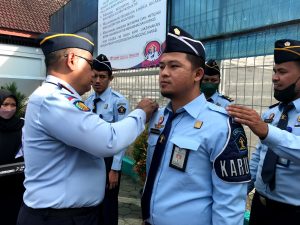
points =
(23, 65)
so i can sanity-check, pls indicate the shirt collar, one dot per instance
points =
(214, 96)
(104, 95)
(295, 102)
(193, 108)
(56, 80)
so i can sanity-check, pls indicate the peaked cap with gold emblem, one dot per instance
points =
(212, 68)
(179, 40)
(286, 50)
(51, 42)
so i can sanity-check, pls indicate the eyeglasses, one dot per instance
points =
(90, 62)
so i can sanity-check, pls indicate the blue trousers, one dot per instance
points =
(78, 216)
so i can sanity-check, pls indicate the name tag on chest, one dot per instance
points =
(179, 158)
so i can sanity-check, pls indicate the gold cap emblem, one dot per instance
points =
(287, 44)
(177, 31)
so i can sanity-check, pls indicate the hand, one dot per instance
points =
(250, 118)
(149, 106)
(113, 177)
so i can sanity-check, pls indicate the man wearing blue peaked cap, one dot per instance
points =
(275, 163)
(64, 142)
(197, 158)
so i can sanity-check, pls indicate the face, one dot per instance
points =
(214, 79)
(8, 108)
(83, 71)
(100, 81)
(9, 104)
(177, 78)
(286, 74)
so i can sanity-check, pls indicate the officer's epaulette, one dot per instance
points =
(217, 108)
(272, 106)
(227, 98)
(117, 94)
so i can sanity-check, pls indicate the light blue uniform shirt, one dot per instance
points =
(198, 195)
(64, 145)
(221, 100)
(286, 144)
(112, 107)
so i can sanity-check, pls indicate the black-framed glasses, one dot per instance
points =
(90, 62)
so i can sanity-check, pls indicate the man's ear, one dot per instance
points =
(199, 73)
(71, 61)
(111, 78)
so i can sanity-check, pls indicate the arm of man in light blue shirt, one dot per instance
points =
(117, 159)
(283, 143)
(80, 129)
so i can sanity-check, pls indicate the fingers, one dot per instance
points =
(113, 185)
(241, 111)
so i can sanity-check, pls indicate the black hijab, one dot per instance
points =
(10, 132)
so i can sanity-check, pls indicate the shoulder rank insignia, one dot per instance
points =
(227, 98)
(80, 105)
(298, 119)
(121, 109)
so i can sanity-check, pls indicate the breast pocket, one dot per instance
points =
(183, 152)
(107, 116)
(296, 130)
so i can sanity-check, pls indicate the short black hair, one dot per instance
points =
(196, 61)
(54, 57)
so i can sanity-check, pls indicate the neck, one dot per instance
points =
(179, 102)
(67, 77)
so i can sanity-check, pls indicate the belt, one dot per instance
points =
(65, 212)
(146, 223)
(275, 204)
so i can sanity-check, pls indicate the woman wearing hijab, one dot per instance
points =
(10, 142)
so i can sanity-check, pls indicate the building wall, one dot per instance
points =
(22, 65)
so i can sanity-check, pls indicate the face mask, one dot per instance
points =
(209, 88)
(7, 114)
(286, 95)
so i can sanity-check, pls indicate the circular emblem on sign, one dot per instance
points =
(152, 50)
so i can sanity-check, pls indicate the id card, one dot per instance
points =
(179, 158)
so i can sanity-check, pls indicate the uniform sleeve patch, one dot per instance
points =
(121, 109)
(81, 106)
(232, 165)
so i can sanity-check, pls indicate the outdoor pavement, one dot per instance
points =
(129, 201)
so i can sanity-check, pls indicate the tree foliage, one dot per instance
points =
(139, 154)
